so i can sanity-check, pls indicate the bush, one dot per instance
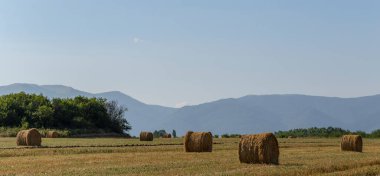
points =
(9, 132)
(231, 135)
(375, 134)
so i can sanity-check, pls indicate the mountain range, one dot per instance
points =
(248, 114)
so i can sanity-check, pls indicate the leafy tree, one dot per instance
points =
(24, 124)
(116, 113)
(230, 135)
(159, 133)
(31, 110)
(361, 133)
(174, 133)
(375, 134)
(43, 116)
(317, 132)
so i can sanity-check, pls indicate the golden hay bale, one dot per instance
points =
(167, 136)
(146, 136)
(351, 143)
(29, 137)
(259, 148)
(52, 134)
(198, 142)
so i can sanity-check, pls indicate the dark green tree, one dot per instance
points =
(31, 110)
(174, 133)
(43, 116)
(159, 133)
(116, 113)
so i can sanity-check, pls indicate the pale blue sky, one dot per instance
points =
(171, 51)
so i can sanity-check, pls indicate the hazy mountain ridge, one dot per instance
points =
(248, 114)
(257, 113)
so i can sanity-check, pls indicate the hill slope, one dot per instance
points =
(249, 114)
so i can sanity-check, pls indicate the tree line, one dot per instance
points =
(37, 111)
(315, 132)
(324, 132)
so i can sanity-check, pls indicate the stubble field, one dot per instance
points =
(118, 156)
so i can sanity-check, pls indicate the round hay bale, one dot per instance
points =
(351, 143)
(167, 136)
(146, 136)
(52, 134)
(29, 137)
(198, 142)
(259, 148)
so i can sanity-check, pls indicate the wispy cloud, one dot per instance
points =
(181, 104)
(137, 40)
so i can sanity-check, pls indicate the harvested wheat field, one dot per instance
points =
(118, 156)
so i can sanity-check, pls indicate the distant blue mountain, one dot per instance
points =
(252, 114)
(249, 114)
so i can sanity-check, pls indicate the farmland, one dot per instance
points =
(118, 156)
